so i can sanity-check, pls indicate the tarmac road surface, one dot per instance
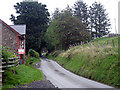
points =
(63, 78)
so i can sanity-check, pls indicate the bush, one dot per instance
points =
(6, 54)
(33, 53)
(31, 60)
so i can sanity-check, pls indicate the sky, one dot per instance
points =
(111, 6)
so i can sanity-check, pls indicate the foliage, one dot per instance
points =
(99, 19)
(21, 75)
(55, 53)
(81, 11)
(31, 60)
(6, 86)
(95, 17)
(65, 30)
(56, 13)
(33, 53)
(99, 64)
(6, 54)
(35, 16)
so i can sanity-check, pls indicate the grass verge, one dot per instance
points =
(21, 75)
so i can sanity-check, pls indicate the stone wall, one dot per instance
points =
(0, 54)
(9, 38)
(0, 33)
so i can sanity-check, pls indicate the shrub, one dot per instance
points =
(31, 60)
(6, 54)
(33, 53)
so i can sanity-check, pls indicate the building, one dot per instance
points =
(13, 37)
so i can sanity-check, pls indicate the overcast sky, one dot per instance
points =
(111, 6)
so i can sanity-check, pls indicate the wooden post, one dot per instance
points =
(90, 43)
(93, 43)
(73, 45)
(101, 44)
(107, 42)
(81, 43)
(113, 43)
(98, 43)
(87, 43)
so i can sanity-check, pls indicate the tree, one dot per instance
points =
(99, 19)
(36, 17)
(56, 13)
(81, 10)
(66, 30)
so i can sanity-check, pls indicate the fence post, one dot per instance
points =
(101, 44)
(90, 43)
(83, 44)
(93, 43)
(69, 46)
(87, 43)
(113, 43)
(75, 44)
(107, 42)
(98, 43)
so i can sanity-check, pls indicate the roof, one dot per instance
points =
(9, 27)
(21, 29)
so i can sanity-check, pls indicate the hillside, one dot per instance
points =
(98, 62)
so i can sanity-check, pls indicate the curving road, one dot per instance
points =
(62, 78)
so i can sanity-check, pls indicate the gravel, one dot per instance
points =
(38, 84)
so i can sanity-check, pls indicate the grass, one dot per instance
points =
(22, 74)
(7, 86)
(100, 64)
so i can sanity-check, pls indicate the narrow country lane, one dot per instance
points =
(62, 78)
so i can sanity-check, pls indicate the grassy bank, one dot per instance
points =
(23, 74)
(100, 64)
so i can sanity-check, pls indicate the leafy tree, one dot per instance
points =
(66, 30)
(36, 17)
(81, 10)
(68, 8)
(56, 13)
(99, 19)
